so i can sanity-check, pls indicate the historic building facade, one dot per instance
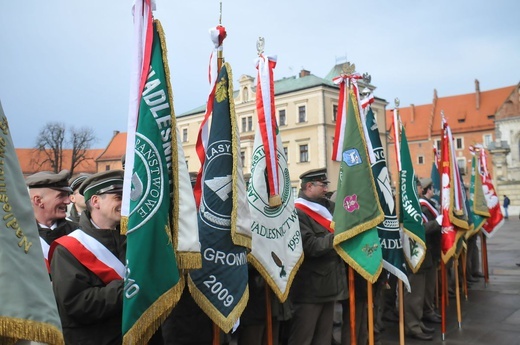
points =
(306, 108)
(490, 118)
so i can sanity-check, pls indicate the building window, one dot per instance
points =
(302, 116)
(286, 153)
(107, 167)
(282, 120)
(304, 153)
(438, 145)
(294, 192)
(461, 163)
(184, 135)
(243, 157)
(459, 143)
(488, 138)
(244, 124)
(187, 165)
(334, 112)
(249, 123)
(420, 159)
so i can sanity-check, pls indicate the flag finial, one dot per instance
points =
(220, 14)
(260, 45)
(397, 102)
(348, 68)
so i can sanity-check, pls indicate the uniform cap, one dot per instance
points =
(104, 182)
(315, 175)
(75, 182)
(49, 179)
(425, 182)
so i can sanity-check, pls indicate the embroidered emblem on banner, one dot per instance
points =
(220, 187)
(350, 203)
(352, 157)
(369, 250)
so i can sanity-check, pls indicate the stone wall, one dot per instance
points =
(512, 190)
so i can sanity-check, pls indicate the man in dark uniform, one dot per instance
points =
(78, 201)
(321, 279)
(414, 300)
(89, 292)
(432, 226)
(50, 197)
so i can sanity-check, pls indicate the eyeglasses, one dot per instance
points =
(321, 184)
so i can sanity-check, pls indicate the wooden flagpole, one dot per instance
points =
(268, 315)
(485, 267)
(443, 300)
(352, 302)
(216, 329)
(397, 211)
(457, 290)
(370, 306)
(464, 259)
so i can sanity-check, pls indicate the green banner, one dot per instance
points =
(28, 310)
(410, 210)
(388, 229)
(152, 283)
(220, 286)
(357, 211)
(477, 200)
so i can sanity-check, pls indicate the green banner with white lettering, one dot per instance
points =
(388, 229)
(410, 210)
(220, 286)
(152, 283)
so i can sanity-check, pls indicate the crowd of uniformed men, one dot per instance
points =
(81, 243)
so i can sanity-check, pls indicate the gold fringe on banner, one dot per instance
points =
(173, 127)
(224, 323)
(149, 322)
(238, 239)
(124, 225)
(282, 295)
(13, 329)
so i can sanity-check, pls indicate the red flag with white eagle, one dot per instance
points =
(496, 219)
(452, 201)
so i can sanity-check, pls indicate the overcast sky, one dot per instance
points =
(69, 61)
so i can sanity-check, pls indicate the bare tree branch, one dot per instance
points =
(80, 141)
(50, 144)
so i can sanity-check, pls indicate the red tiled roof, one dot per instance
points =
(115, 149)
(32, 161)
(460, 111)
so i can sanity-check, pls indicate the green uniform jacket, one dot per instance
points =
(90, 311)
(321, 277)
(64, 227)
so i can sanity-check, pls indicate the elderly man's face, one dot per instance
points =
(54, 203)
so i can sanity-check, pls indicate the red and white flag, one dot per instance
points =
(496, 219)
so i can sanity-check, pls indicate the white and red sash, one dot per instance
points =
(91, 254)
(45, 249)
(430, 207)
(316, 211)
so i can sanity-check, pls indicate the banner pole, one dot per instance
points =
(457, 291)
(401, 312)
(352, 302)
(485, 266)
(268, 316)
(443, 300)
(370, 306)
(216, 334)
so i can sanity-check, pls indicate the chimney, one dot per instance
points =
(304, 73)
(413, 112)
(477, 93)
